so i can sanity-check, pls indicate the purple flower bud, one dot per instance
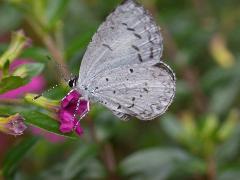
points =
(13, 125)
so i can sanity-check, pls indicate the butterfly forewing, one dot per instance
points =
(128, 36)
(142, 90)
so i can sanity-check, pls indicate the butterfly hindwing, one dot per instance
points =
(142, 90)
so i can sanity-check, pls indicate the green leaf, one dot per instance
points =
(159, 163)
(5, 69)
(229, 126)
(229, 149)
(45, 122)
(16, 155)
(11, 82)
(29, 70)
(224, 97)
(209, 128)
(231, 174)
(172, 127)
(79, 160)
(35, 53)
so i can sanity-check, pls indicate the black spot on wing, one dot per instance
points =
(130, 29)
(107, 46)
(151, 52)
(138, 36)
(140, 58)
(135, 47)
(150, 39)
(146, 90)
(131, 106)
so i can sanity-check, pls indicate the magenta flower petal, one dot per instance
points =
(83, 107)
(65, 101)
(65, 116)
(71, 98)
(66, 127)
(68, 108)
(79, 130)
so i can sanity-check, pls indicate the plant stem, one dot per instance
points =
(211, 169)
(51, 46)
(107, 153)
(12, 101)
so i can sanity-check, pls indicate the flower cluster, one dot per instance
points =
(68, 111)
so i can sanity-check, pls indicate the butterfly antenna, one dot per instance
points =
(48, 90)
(61, 69)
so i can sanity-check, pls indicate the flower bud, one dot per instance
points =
(18, 43)
(48, 104)
(13, 125)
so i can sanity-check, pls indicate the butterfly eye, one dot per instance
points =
(70, 83)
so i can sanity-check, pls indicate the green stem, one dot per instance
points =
(51, 45)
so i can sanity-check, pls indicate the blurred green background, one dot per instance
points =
(197, 138)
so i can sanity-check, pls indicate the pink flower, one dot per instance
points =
(67, 110)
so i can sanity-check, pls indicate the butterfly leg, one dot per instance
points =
(82, 114)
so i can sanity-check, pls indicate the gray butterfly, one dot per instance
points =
(121, 68)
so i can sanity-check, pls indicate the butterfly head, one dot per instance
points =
(73, 81)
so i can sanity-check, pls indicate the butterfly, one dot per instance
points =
(122, 67)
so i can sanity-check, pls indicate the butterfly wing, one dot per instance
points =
(128, 36)
(142, 90)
